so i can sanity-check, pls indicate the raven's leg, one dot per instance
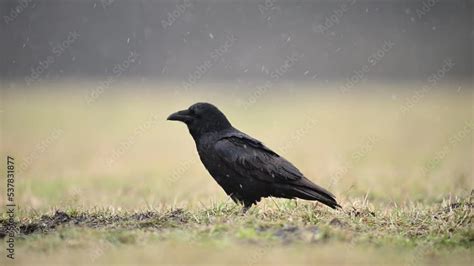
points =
(247, 206)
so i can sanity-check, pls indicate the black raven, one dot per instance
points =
(245, 168)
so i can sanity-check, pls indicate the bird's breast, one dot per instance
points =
(213, 163)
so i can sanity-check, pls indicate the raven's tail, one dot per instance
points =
(305, 189)
(316, 193)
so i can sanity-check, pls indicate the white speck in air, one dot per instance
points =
(128, 40)
(273, 175)
(240, 185)
(245, 146)
(227, 175)
(211, 36)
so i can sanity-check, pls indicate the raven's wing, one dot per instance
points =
(250, 158)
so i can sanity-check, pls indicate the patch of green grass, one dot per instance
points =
(434, 228)
(421, 233)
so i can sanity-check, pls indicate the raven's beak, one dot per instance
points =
(182, 116)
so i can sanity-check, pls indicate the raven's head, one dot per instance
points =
(202, 118)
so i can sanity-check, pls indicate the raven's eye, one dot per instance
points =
(196, 114)
(192, 112)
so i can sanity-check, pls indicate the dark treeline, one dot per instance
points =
(229, 40)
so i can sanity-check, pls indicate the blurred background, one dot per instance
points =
(171, 38)
(367, 98)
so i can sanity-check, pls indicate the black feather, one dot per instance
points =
(246, 169)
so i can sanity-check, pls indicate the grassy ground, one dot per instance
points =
(107, 180)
